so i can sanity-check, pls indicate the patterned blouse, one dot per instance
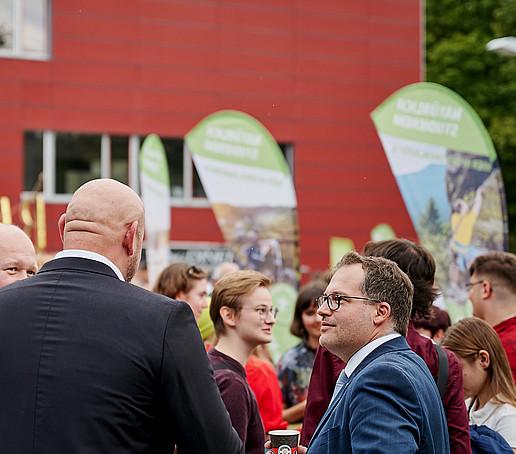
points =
(294, 370)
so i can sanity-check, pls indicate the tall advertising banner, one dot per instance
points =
(155, 192)
(250, 188)
(448, 173)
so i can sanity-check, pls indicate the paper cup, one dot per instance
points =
(283, 441)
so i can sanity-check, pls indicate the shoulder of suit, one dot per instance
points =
(396, 362)
(155, 301)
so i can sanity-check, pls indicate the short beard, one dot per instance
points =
(132, 267)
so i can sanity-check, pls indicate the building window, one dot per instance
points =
(77, 161)
(58, 163)
(119, 158)
(175, 161)
(33, 178)
(25, 28)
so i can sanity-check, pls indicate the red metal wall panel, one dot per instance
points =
(311, 72)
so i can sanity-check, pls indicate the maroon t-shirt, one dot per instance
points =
(327, 368)
(240, 401)
(507, 333)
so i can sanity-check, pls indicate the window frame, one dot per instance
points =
(133, 178)
(134, 144)
(18, 23)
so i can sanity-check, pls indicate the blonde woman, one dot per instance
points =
(488, 383)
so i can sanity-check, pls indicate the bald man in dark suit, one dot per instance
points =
(93, 364)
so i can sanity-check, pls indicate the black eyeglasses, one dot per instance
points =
(471, 284)
(333, 300)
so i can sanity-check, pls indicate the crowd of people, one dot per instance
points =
(93, 364)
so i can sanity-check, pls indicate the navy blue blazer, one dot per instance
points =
(91, 364)
(389, 405)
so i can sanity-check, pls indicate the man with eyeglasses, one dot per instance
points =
(492, 291)
(419, 265)
(385, 400)
(243, 316)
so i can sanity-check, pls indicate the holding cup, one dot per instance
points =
(283, 441)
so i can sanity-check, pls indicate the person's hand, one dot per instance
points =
(300, 449)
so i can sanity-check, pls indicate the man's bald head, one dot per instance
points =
(106, 217)
(17, 255)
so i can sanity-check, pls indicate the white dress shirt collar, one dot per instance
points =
(91, 256)
(360, 355)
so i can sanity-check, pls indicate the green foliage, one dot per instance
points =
(434, 234)
(456, 34)
(429, 220)
(505, 18)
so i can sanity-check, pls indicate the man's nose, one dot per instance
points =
(324, 310)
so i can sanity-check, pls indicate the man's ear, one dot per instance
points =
(61, 225)
(487, 289)
(128, 241)
(383, 312)
(228, 316)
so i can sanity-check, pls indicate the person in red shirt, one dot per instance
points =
(419, 265)
(492, 291)
(263, 381)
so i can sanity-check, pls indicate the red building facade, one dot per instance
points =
(113, 71)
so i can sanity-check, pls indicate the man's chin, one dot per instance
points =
(325, 342)
(331, 346)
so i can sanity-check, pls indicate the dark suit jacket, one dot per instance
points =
(390, 405)
(91, 364)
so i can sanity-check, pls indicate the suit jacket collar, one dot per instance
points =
(78, 264)
(396, 344)
(82, 253)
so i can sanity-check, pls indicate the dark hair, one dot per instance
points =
(500, 266)
(228, 291)
(384, 281)
(305, 299)
(415, 261)
(438, 320)
(178, 277)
